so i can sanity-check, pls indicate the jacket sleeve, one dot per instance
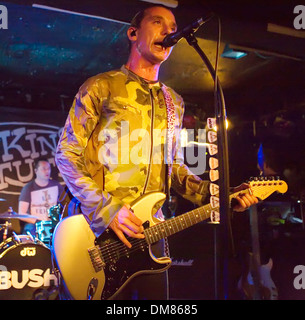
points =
(188, 185)
(98, 206)
(183, 181)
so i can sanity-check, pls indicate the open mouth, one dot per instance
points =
(159, 45)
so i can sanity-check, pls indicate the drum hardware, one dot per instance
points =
(11, 214)
(55, 213)
(44, 229)
(6, 226)
(16, 238)
(30, 235)
(46, 294)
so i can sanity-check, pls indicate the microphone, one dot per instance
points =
(172, 38)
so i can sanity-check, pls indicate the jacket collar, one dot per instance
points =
(133, 76)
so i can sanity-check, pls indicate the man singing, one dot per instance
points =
(109, 153)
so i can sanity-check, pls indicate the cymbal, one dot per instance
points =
(9, 215)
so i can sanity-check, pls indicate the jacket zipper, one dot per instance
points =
(151, 139)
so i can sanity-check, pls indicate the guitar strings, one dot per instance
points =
(108, 255)
(120, 249)
(119, 246)
(113, 247)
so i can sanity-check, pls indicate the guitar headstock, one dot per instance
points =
(263, 187)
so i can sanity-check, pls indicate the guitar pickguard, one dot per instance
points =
(123, 264)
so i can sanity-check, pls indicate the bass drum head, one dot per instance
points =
(26, 271)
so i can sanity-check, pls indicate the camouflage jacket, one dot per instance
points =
(112, 148)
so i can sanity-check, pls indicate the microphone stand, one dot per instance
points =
(222, 230)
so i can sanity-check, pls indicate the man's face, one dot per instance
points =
(157, 23)
(43, 170)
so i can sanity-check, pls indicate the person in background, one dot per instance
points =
(39, 195)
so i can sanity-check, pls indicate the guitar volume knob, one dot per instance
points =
(112, 268)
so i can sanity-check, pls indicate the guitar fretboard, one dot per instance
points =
(171, 226)
(174, 225)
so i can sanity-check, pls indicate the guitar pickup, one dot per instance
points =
(96, 259)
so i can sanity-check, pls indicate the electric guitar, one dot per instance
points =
(256, 282)
(99, 268)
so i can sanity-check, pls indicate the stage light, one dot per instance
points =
(232, 53)
(228, 124)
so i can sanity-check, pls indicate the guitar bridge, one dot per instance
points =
(96, 259)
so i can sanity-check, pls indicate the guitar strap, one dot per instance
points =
(171, 119)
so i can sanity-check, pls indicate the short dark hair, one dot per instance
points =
(38, 160)
(139, 16)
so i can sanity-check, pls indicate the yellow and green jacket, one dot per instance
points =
(111, 150)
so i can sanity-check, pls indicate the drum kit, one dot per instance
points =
(26, 264)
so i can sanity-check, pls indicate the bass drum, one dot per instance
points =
(26, 271)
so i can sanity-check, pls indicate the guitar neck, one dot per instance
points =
(174, 225)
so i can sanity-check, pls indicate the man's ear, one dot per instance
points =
(132, 33)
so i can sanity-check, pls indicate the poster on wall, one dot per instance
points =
(25, 135)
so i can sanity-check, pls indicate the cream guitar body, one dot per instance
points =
(85, 273)
(99, 268)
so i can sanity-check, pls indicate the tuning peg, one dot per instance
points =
(277, 178)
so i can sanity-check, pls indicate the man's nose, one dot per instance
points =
(167, 29)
